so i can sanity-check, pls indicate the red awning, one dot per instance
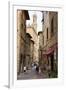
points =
(50, 50)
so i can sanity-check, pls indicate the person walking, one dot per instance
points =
(37, 68)
(24, 68)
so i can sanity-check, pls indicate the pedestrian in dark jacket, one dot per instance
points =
(37, 68)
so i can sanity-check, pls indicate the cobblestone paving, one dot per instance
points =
(31, 74)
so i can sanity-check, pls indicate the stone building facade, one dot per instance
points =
(22, 16)
(32, 30)
(28, 51)
(32, 51)
(34, 36)
(50, 46)
(40, 38)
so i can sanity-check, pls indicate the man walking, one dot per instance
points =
(24, 68)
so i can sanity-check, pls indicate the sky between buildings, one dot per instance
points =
(39, 19)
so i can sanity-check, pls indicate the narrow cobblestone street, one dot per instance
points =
(37, 44)
(32, 74)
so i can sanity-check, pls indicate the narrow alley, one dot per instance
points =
(32, 74)
(37, 44)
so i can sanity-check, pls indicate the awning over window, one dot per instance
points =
(50, 50)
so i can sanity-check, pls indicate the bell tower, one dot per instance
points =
(35, 22)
